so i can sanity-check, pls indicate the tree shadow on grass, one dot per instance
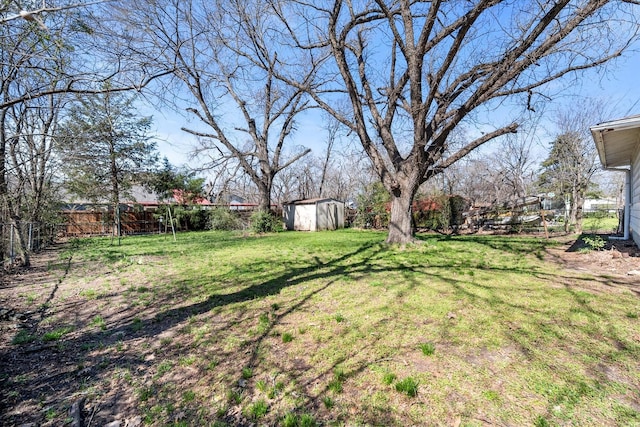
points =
(66, 370)
(516, 245)
(51, 371)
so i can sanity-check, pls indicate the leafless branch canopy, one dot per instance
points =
(66, 49)
(415, 71)
(224, 56)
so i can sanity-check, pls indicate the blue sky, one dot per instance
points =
(618, 83)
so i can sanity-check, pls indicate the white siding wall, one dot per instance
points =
(340, 215)
(635, 199)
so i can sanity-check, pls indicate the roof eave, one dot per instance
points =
(599, 140)
(599, 131)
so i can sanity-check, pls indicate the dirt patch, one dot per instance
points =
(616, 263)
(40, 377)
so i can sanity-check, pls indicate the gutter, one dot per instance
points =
(596, 134)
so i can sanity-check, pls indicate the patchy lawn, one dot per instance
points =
(331, 328)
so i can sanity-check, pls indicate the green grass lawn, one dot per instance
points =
(336, 328)
(600, 225)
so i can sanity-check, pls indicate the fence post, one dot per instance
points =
(118, 223)
(11, 251)
(30, 244)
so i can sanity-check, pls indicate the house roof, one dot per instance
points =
(183, 197)
(617, 141)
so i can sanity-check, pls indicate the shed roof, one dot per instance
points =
(311, 201)
(617, 141)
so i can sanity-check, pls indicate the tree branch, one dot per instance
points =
(440, 167)
(31, 14)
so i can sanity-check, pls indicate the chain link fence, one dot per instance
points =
(36, 236)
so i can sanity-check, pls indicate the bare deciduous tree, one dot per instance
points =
(224, 58)
(333, 133)
(514, 165)
(36, 52)
(31, 64)
(31, 164)
(29, 189)
(413, 72)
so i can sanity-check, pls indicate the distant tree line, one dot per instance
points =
(410, 92)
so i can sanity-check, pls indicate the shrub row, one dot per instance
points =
(220, 218)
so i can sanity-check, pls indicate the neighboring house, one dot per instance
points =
(314, 214)
(137, 196)
(183, 198)
(618, 144)
(600, 205)
(237, 203)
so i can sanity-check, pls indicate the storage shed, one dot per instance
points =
(618, 144)
(314, 214)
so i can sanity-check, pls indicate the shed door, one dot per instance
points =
(327, 216)
(332, 216)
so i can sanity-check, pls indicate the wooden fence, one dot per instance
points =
(98, 223)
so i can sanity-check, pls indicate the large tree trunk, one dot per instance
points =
(401, 230)
(265, 203)
(264, 193)
(574, 218)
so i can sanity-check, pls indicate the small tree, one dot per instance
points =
(105, 148)
(183, 188)
(573, 159)
(168, 182)
(568, 171)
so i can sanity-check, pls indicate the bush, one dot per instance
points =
(438, 212)
(265, 222)
(373, 206)
(223, 219)
(194, 218)
(188, 218)
(594, 242)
